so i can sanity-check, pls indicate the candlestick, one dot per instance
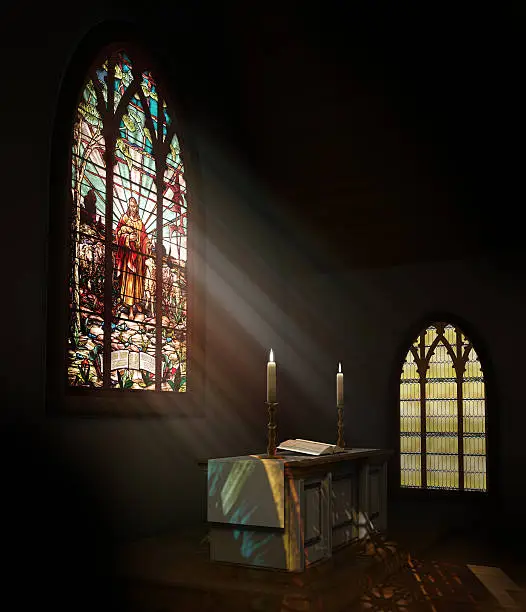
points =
(271, 379)
(340, 441)
(272, 427)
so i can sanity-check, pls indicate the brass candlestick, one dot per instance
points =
(272, 427)
(340, 442)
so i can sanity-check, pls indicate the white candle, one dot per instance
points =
(339, 386)
(271, 378)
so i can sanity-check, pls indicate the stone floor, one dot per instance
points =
(435, 557)
(459, 560)
(459, 573)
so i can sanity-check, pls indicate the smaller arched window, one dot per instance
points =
(442, 413)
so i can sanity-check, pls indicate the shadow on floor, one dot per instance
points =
(444, 537)
(457, 532)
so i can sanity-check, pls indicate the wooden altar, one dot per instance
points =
(291, 511)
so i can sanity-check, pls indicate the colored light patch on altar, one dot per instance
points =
(246, 482)
(294, 549)
(231, 490)
(275, 478)
(253, 546)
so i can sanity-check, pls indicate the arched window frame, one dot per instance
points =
(60, 397)
(440, 321)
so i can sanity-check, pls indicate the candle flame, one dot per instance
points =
(271, 356)
(339, 366)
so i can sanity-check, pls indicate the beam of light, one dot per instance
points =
(263, 319)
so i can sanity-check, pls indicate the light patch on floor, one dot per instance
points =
(499, 584)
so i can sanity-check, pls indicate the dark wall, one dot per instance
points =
(143, 472)
(324, 141)
(367, 319)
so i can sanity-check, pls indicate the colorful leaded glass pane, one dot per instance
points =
(143, 336)
(102, 78)
(474, 424)
(134, 244)
(453, 402)
(87, 245)
(410, 423)
(122, 77)
(175, 230)
(149, 90)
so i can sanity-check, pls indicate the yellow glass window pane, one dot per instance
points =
(410, 444)
(410, 475)
(431, 334)
(474, 424)
(441, 390)
(451, 336)
(474, 446)
(410, 408)
(442, 444)
(438, 362)
(471, 408)
(409, 370)
(474, 464)
(473, 390)
(475, 482)
(441, 415)
(410, 391)
(473, 365)
(409, 424)
(475, 473)
(442, 424)
(442, 471)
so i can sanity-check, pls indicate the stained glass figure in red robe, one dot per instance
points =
(132, 249)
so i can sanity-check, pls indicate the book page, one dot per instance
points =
(119, 360)
(313, 444)
(307, 446)
(147, 362)
(134, 361)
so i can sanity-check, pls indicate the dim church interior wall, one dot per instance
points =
(139, 468)
(144, 472)
(364, 317)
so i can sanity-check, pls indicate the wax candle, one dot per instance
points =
(339, 386)
(271, 378)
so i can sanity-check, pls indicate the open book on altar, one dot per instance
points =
(308, 447)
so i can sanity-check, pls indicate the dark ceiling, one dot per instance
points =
(389, 131)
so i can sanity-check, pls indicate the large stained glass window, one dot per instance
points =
(442, 413)
(128, 280)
